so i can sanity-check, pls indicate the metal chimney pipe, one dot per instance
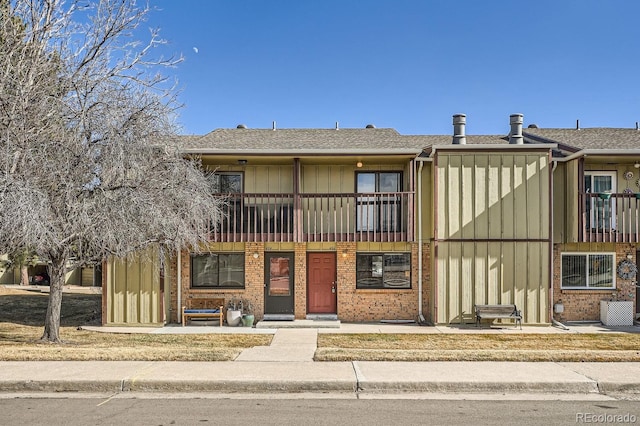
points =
(459, 124)
(515, 135)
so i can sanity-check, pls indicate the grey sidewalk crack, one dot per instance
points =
(359, 376)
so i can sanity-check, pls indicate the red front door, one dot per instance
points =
(321, 283)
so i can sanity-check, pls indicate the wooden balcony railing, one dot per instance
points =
(609, 217)
(315, 217)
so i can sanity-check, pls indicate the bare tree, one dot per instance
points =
(89, 164)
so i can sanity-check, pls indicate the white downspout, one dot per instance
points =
(179, 284)
(551, 307)
(421, 319)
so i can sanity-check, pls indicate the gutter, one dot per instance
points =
(299, 152)
(596, 152)
(495, 147)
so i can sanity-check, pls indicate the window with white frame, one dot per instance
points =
(380, 209)
(588, 270)
(600, 212)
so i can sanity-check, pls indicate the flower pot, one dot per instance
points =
(604, 195)
(247, 320)
(234, 317)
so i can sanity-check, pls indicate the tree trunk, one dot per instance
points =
(24, 275)
(52, 321)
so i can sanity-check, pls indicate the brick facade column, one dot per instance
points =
(300, 281)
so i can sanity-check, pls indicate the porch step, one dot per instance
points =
(322, 317)
(279, 317)
(299, 323)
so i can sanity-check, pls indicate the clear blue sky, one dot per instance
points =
(405, 64)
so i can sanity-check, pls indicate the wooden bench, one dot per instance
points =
(498, 312)
(203, 308)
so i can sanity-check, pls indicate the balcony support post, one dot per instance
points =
(297, 205)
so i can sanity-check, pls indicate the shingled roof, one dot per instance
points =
(304, 139)
(335, 141)
(589, 138)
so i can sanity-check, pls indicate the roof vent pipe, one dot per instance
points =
(637, 126)
(515, 135)
(273, 125)
(337, 126)
(459, 123)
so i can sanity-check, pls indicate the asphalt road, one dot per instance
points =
(192, 410)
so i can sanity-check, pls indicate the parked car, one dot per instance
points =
(40, 279)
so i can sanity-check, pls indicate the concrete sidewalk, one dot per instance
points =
(212, 327)
(587, 379)
(287, 366)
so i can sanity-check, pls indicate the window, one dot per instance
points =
(229, 183)
(588, 270)
(226, 183)
(378, 212)
(217, 270)
(389, 270)
(600, 213)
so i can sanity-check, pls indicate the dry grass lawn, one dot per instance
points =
(22, 318)
(478, 347)
(21, 324)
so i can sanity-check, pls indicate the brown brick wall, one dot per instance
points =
(584, 305)
(372, 305)
(353, 305)
(254, 282)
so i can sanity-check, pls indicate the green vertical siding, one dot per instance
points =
(472, 273)
(493, 216)
(133, 290)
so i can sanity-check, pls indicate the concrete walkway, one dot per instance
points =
(288, 345)
(212, 327)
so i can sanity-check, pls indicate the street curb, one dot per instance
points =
(301, 386)
(475, 387)
(239, 386)
(293, 386)
(78, 386)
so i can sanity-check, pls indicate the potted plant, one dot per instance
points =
(247, 314)
(234, 312)
(605, 195)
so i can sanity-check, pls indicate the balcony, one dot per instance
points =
(381, 217)
(609, 218)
